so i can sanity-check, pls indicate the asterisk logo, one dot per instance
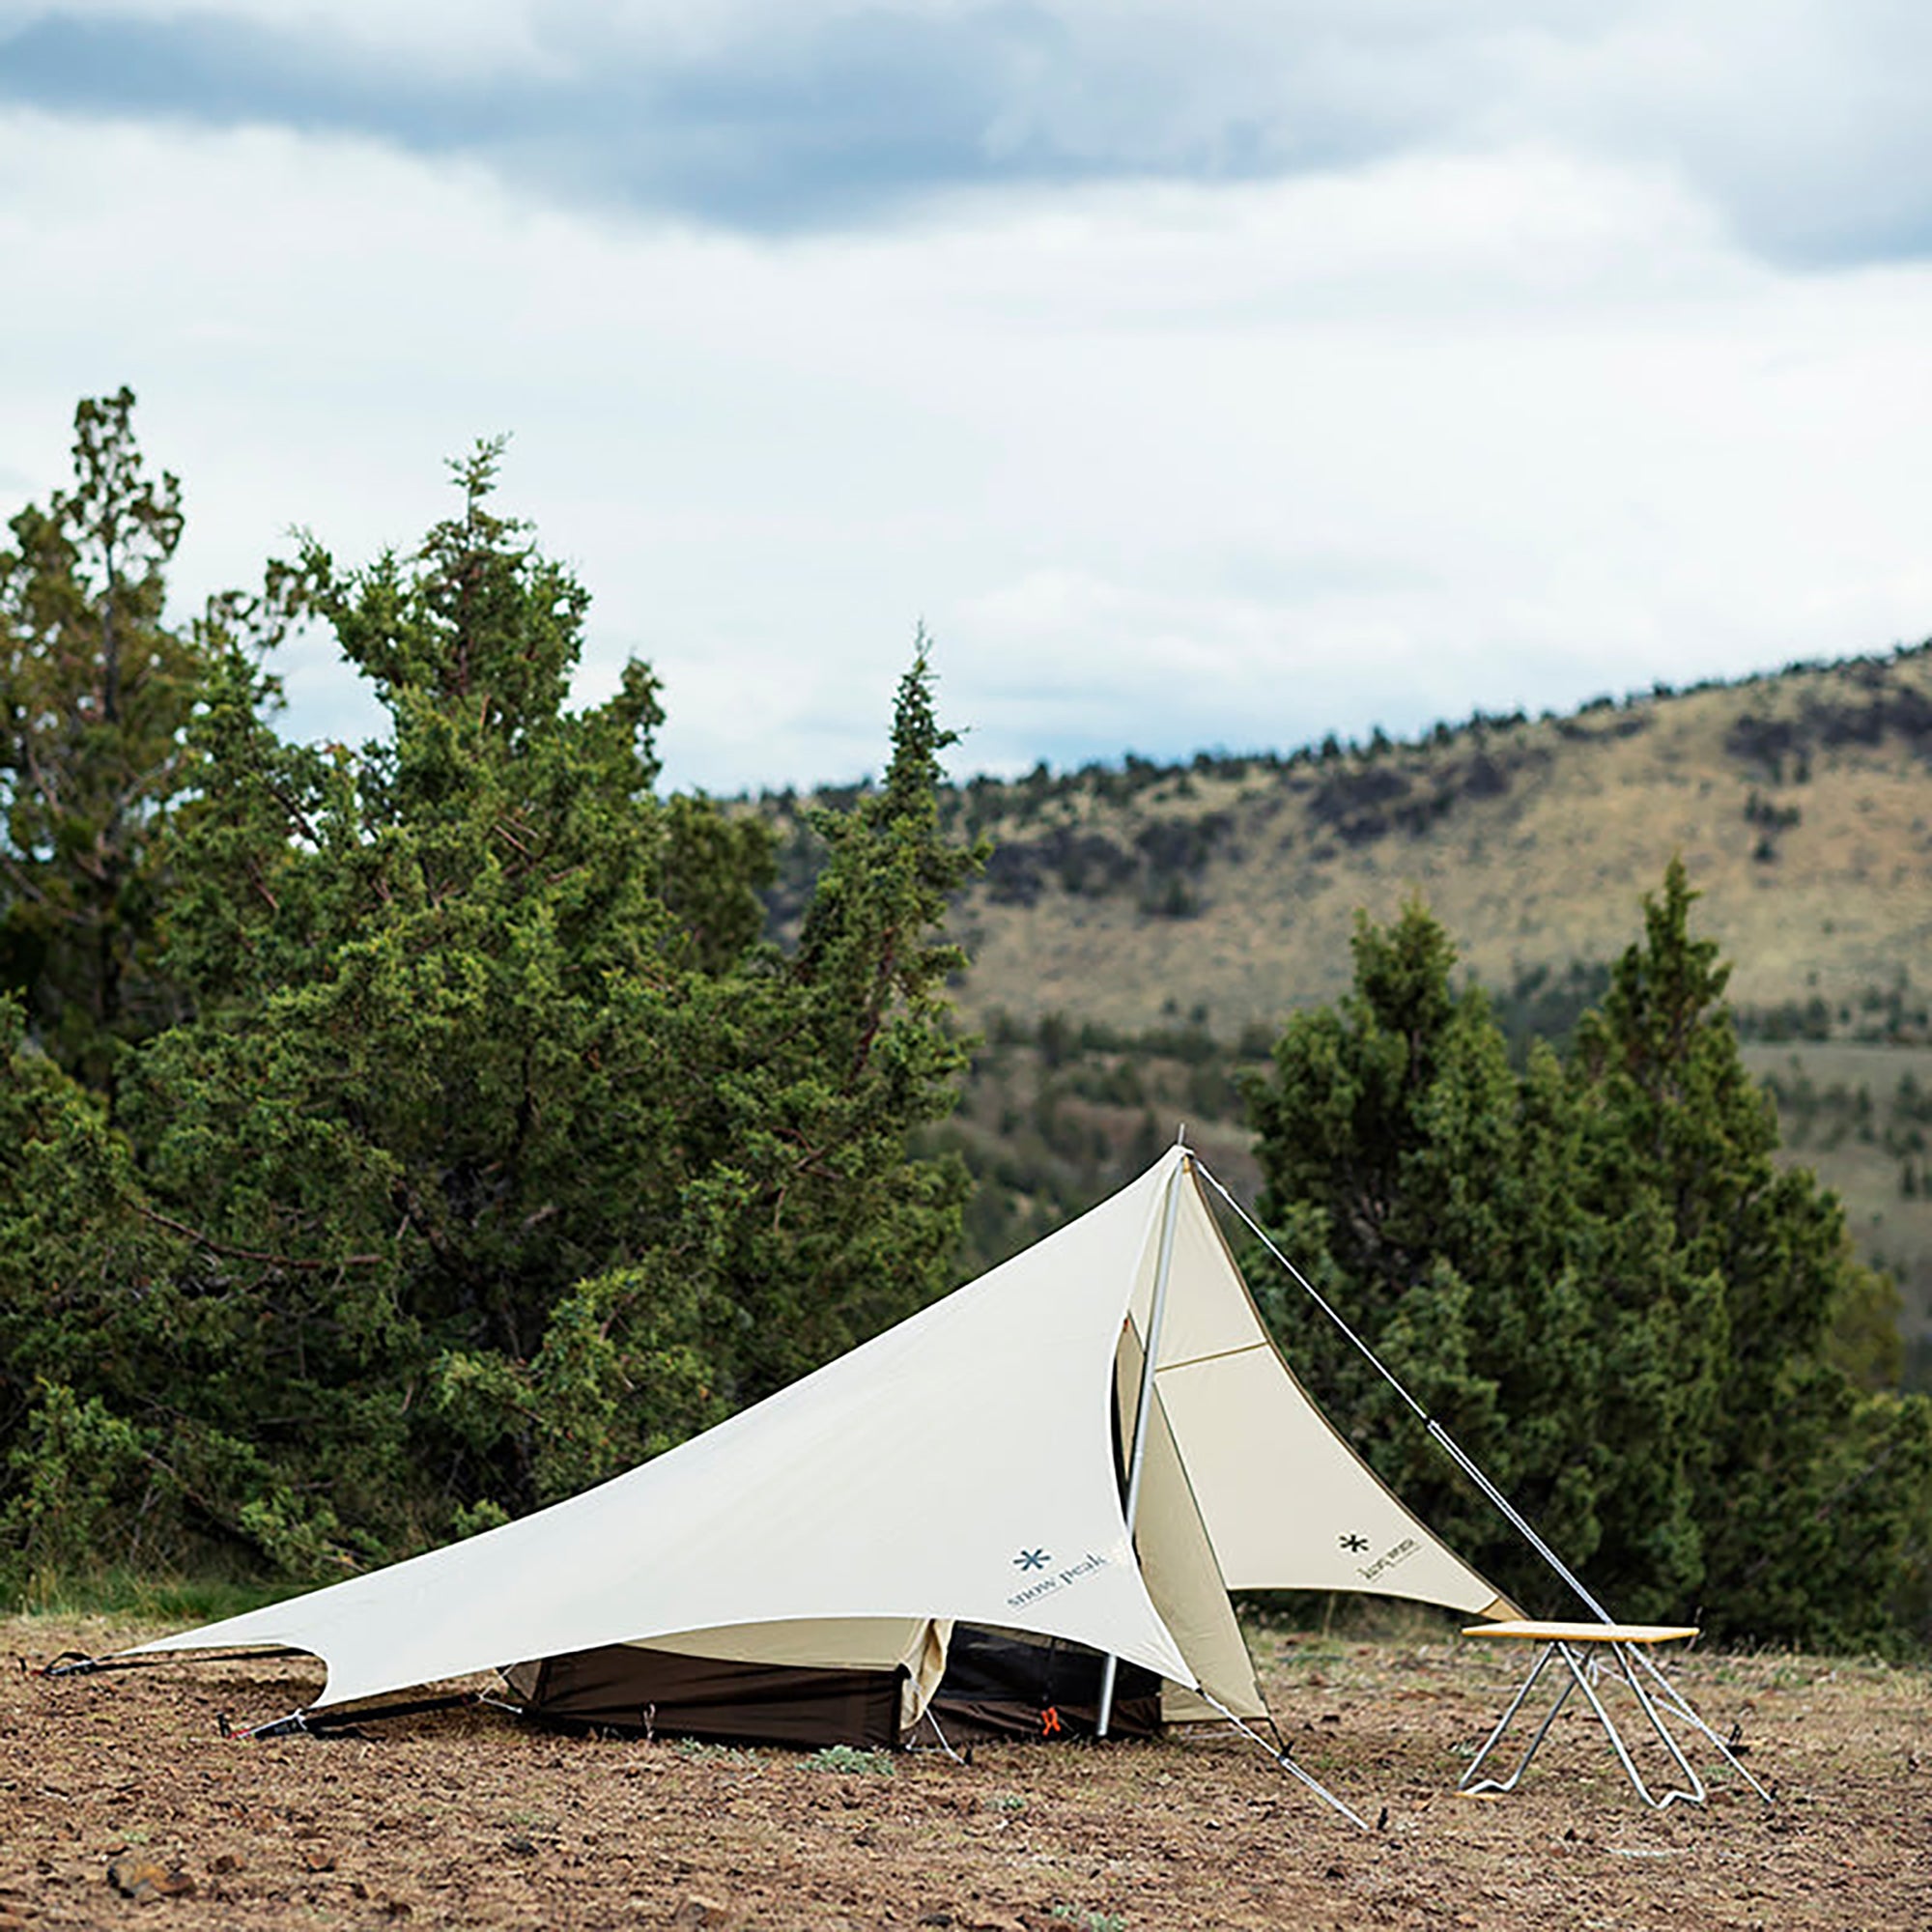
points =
(1032, 1559)
(1354, 1542)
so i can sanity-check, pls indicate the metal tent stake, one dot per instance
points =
(1149, 1354)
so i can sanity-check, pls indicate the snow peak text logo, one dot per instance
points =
(1059, 1580)
(1388, 1559)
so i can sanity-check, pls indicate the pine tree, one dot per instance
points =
(496, 1148)
(1807, 1488)
(1600, 1281)
(95, 692)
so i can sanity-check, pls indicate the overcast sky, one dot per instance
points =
(1204, 374)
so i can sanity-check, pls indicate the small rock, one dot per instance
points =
(223, 1862)
(142, 1878)
(316, 1860)
(701, 1913)
(127, 1875)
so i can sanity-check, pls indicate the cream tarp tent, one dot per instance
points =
(965, 1468)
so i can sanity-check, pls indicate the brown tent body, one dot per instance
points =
(997, 1684)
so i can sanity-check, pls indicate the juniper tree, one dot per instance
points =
(494, 1146)
(510, 1149)
(1595, 1275)
(1811, 1493)
(95, 691)
(1430, 1191)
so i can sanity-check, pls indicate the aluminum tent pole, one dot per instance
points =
(1446, 1442)
(1468, 1464)
(1151, 1353)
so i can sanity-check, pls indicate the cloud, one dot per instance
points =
(799, 120)
(1801, 123)
(1163, 464)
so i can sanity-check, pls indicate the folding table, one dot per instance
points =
(1587, 1651)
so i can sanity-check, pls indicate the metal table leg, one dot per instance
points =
(1684, 1708)
(1581, 1671)
(1469, 1782)
(1696, 1794)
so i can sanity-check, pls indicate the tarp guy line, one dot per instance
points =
(1470, 1467)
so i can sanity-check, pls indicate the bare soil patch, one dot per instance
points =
(471, 1819)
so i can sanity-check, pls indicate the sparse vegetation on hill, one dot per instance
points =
(1802, 802)
(1119, 896)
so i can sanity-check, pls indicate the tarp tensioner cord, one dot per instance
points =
(78, 1663)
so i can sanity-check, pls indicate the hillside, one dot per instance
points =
(1170, 917)
(1802, 804)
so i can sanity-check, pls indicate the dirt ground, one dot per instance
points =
(471, 1819)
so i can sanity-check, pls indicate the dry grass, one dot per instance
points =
(469, 1819)
(1549, 870)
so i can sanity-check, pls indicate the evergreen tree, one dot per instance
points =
(822, 1231)
(1808, 1487)
(498, 1151)
(73, 1246)
(1431, 1191)
(1601, 1282)
(95, 691)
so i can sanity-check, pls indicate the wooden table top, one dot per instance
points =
(1533, 1631)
